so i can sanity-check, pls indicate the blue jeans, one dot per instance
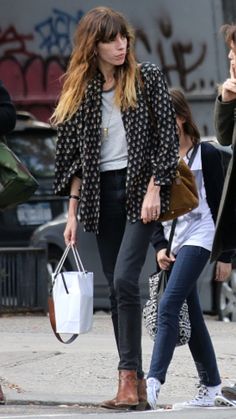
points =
(189, 263)
(123, 247)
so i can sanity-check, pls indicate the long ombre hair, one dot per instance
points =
(182, 109)
(100, 24)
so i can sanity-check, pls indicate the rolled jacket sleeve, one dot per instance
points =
(68, 159)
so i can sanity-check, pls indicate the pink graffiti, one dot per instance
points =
(15, 42)
(34, 86)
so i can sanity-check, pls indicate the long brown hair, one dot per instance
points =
(182, 109)
(100, 24)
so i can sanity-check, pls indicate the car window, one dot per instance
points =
(36, 148)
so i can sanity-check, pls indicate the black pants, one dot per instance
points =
(123, 247)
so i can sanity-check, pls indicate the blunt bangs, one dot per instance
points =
(110, 27)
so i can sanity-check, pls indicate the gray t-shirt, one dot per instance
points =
(113, 155)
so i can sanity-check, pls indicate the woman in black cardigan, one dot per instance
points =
(116, 169)
(190, 251)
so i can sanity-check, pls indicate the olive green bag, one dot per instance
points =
(16, 182)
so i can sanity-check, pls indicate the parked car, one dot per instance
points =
(34, 143)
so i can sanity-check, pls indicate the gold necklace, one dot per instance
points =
(105, 130)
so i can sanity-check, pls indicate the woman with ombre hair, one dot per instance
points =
(117, 169)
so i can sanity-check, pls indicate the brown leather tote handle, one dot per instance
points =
(52, 318)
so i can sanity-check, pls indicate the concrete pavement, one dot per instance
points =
(35, 367)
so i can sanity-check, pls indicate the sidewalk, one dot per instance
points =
(35, 367)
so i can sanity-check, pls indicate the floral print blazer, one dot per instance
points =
(151, 150)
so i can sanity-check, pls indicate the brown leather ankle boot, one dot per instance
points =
(109, 404)
(128, 389)
(142, 397)
(142, 394)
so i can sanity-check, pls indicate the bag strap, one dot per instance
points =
(78, 261)
(51, 308)
(52, 317)
(174, 222)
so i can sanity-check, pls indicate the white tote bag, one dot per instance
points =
(73, 297)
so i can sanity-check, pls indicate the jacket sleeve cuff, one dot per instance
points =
(158, 240)
(226, 257)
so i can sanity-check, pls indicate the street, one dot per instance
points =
(43, 378)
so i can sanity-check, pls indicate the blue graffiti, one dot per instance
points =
(56, 32)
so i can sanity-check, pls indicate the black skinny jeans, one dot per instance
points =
(123, 247)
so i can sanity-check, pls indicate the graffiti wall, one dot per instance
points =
(180, 36)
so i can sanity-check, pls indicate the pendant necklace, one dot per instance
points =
(105, 129)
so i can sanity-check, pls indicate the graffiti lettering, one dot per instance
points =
(179, 50)
(34, 80)
(35, 85)
(142, 36)
(17, 41)
(56, 32)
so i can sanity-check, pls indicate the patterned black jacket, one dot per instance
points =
(150, 151)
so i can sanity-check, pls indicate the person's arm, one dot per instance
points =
(165, 144)
(68, 161)
(158, 239)
(160, 243)
(68, 174)
(225, 109)
(70, 233)
(7, 112)
(165, 150)
(224, 120)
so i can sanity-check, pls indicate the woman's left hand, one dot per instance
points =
(223, 271)
(151, 203)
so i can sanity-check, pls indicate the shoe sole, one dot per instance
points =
(221, 401)
(121, 405)
(191, 406)
(141, 406)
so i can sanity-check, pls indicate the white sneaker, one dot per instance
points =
(222, 401)
(205, 398)
(153, 389)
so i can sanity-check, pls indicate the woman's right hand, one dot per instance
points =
(70, 233)
(163, 260)
(229, 86)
